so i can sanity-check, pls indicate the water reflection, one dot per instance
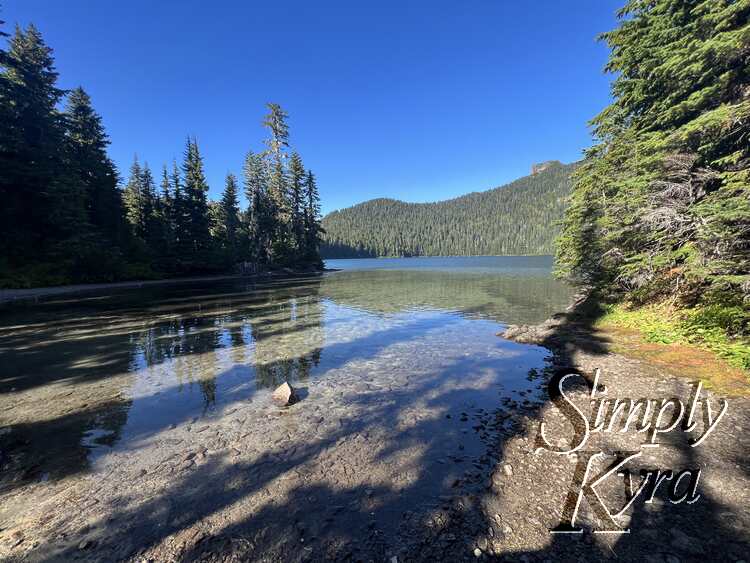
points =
(509, 299)
(80, 376)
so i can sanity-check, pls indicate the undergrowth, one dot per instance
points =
(717, 328)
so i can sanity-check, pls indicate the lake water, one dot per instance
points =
(91, 382)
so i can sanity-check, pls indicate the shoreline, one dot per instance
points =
(325, 479)
(577, 330)
(35, 294)
(678, 531)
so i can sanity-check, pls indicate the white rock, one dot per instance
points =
(284, 395)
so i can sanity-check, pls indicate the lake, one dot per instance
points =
(113, 388)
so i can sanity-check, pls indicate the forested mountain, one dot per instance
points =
(661, 205)
(519, 218)
(65, 217)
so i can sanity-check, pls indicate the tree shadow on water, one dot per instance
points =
(401, 471)
(398, 472)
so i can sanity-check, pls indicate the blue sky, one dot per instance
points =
(415, 100)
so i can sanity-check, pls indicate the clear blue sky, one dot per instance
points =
(416, 100)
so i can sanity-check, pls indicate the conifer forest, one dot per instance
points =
(68, 216)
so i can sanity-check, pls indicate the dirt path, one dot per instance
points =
(365, 472)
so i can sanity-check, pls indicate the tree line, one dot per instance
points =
(520, 218)
(65, 217)
(660, 207)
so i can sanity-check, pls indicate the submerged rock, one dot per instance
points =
(284, 395)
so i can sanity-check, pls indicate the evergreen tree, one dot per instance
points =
(278, 183)
(296, 200)
(164, 207)
(135, 199)
(41, 204)
(179, 219)
(196, 237)
(154, 232)
(92, 169)
(259, 218)
(229, 218)
(166, 193)
(661, 206)
(64, 218)
(311, 218)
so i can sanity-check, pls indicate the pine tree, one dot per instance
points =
(275, 122)
(92, 169)
(164, 210)
(259, 220)
(661, 205)
(230, 218)
(154, 233)
(42, 206)
(296, 200)
(166, 192)
(311, 218)
(196, 241)
(134, 200)
(178, 213)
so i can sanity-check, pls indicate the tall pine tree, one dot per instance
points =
(229, 214)
(278, 183)
(259, 220)
(92, 168)
(296, 201)
(42, 206)
(195, 239)
(311, 216)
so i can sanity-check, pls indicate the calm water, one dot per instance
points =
(84, 376)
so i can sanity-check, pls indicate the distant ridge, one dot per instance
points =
(518, 218)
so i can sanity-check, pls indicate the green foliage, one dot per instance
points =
(708, 327)
(660, 208)
(64, 219)
(519, 218)
(311, 220)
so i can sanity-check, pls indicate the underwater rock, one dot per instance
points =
(284, 395)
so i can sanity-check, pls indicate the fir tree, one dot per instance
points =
(178, 217)
(296, 200)
(41, 204)
(311, 217)
(165, 218)
(259, 220)
(275, 122)
(134, 199)
(93, 170)
(661, 206)
(196, 237)
(229, 216)
(154, 229)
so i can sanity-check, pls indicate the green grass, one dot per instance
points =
(713, 327)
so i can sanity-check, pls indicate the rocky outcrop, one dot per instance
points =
(536, 168)
(533, 334)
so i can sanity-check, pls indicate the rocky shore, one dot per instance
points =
(714, 526)
(35, 294)
(390, 470)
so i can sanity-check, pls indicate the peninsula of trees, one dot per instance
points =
(64, 217)
(519, 218)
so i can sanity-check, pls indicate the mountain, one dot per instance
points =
(518, 218)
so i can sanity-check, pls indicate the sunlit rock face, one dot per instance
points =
(542, 166)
